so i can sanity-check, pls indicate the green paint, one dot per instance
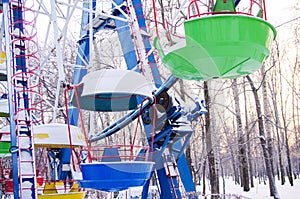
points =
(4, 147)
(221, 46)
(2, 114)
(227, 6)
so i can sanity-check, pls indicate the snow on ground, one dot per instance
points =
(260, 190)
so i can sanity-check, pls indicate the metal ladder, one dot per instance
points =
(174, 176)
(23, 64)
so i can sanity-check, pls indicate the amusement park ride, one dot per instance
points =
(224, 43)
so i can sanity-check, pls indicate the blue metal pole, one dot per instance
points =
(124, 121)
(137, 4)
(124, 33)
(184, 170)
(80, 71)
(20, 96)
(10, 91)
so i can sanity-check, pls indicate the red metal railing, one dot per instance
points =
(24, 82)
(125, 152)
(197, 13)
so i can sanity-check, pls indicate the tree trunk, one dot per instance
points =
(267, 114)
(262, 138)
(236, 177)
(249, 154)
(241, 141)
(189, 158)
(289, 170)
(232, 155)
(203, 178)
(274, 91)
(295, 97)
(279, 147)
(281, 166)
(204, 162)
(223, 179)
(214, 179)
(283, 115)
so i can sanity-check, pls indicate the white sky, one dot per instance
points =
(279, 12)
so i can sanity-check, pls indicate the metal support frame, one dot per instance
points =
(19, 86)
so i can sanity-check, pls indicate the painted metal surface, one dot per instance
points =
(56, 135)
(115, 176)
(215, 47)
(112, 90)
(4, 112)
(75, 195)
(221, 46)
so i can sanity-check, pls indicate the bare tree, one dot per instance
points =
(285, 130)
(262, 138)
(267, 114)
(213, 175)
(247, 130)
(274, 97)
(295, 97)
(241, 140)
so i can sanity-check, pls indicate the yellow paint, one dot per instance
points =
(59, 183)
(50, 191)
(41, 135)
(80, 137)
(2, 57)
(73, 195)
(54, 145)
(75, 187)
(50, 188)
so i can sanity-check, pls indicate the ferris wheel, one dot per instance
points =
(225, 42)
